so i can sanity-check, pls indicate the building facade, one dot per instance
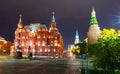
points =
(4, 46)
(77, 40)
(38, 40)
(94, 29)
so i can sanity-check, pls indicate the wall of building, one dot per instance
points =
(38, 40)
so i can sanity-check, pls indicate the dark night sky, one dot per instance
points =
(70, 14)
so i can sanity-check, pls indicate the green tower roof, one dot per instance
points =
(93, 20)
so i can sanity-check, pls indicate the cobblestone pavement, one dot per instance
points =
(39, 66)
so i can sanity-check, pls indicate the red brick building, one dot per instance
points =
(38, 40)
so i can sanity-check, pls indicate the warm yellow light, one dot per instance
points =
(5, 42)
(12, 50)
(38, 36)
(43, 44)
(15, 43)
(56, 44)
(24, 50)
(38, 44)
(54, 50)
(40, 50)
(48, 50)
(33, 50)
(45, 50)
(22, 44)
(27, 50)
(30, 43)
(23, 37)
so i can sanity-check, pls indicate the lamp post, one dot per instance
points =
(87, 68)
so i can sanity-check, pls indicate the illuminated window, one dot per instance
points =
(43, 36)
(56, 54)
(45, 50)
(27, 37)
(20, 30)
(55, 44)
(54, 50)
(24, 50)
(12, 50)
(38, 36)
(33, 50)
(43, 29)
(48, 50)
(55, 37)
(58, 45)
(22, 44)
(38, 29)
(40, 50)
(23, 37)
(15, 43)
(43, 43)
(51, 44)
(5, 42)
(51, 41)
(38, 43)
(30, 43)
(27, 50)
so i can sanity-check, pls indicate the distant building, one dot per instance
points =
(38, 40)
(68, 53)
(77, 37)
(5, 46)
(77, 40)
(94, 29)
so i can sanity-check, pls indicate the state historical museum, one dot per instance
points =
(38, 40)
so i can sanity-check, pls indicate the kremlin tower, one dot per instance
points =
(37, 40)
(94, 29)
(77, 37)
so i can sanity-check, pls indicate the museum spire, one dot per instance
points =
(20, 18)
(20, 25)
(53, 17)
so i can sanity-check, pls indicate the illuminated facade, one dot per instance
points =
(94, 29)
(5, 46)
(38, 40)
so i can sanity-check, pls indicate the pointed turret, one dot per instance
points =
(77, 32)
(77, 37)
(53, 22)
(53, 17)
(20, 19)
(94, 29)
(20, 25)
(93, 20)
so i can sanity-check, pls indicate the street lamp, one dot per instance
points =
(87, 68)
